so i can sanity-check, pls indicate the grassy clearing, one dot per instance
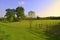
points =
(21, 31)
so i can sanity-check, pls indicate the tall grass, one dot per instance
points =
(41, 30)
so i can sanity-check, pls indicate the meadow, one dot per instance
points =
(40, 30)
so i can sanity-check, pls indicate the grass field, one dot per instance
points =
(41, 30)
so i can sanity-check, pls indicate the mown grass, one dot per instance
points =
(41, 30)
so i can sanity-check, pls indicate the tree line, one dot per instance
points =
(18, 14)
(15, 14)
(48, 18)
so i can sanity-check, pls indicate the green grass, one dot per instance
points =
(21, 30)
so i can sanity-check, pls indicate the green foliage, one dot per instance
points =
(15, 15)
(10, 14)
(20, 13)
(31, 14)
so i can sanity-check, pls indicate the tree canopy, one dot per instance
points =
(31, 14)
(20, 12)
(12, 14)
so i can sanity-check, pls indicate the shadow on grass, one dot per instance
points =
(53, 33)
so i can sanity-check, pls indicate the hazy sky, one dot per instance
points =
(42, 8)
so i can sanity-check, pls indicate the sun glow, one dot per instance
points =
(52, 10)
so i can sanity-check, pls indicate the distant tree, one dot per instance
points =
(20, 13)
(31, 14)
(10, 14)
(38, 17)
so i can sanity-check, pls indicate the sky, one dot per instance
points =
(42, 8)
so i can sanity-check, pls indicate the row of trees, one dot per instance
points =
(49, 18)
(17, 14)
